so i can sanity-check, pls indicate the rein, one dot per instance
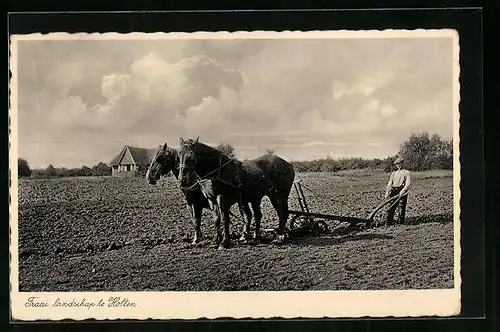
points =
(200, 180)
(204, 178)
(175, 155)
(218, 168)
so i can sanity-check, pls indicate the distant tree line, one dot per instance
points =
(334, 165)
(101, 169)
(421, 152)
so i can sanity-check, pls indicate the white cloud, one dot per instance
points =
(62, 77)
(373, 105)
(115, 86)
(388, 110)
(297, 97)
(360, 89)
(68, 111)
(313, 122)
(212, 112)
(339, 89)
(161, 91)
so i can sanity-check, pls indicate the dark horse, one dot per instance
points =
(268, 176)
(166, 160)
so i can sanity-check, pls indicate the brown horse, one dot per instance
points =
(268, 176)
(166, 160)
(213, 188)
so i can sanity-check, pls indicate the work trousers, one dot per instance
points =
(392, 207)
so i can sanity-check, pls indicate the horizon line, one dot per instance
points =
(60, 166)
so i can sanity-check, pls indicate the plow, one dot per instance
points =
(303, 221)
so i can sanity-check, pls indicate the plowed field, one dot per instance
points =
(121, 234)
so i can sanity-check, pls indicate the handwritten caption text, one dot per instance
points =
(111, 302)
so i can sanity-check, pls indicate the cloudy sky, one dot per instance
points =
(81, 101)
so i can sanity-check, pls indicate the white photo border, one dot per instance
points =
(195, 305)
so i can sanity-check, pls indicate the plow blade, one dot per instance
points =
(329, 217)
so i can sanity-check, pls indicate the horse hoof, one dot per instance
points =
(224, 245)
(280, 239)
(257, 237)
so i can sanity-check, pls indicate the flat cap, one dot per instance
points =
(398, 161)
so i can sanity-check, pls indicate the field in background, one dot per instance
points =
(118, 234)
(380, 173)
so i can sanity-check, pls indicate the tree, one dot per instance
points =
(375, 163)
(74, 172)
(388, 164)
(85, 171)
(141, 171)
(23, 168)
(63, 172)
(269, 151)
(329, 165)
(101, 169)
(226, 149)
(416, 152)
(422, 152)
(443, 158)
(50, 171)
(38, 173)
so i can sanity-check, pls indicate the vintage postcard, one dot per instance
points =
(245, 175)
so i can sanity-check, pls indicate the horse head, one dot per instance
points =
(187, 161)
(164, 161)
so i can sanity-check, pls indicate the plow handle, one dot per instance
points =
(393, 200)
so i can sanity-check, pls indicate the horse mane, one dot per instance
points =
(173, 151)
(168, 153)
(205, 150)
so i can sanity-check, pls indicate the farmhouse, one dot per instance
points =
(131, 160)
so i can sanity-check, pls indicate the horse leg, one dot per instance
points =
(248, 215)
(191, 212)
(258, 217)
(215, 215)
(224, 213)
(283, 204)
(196, 214)
(279, 205)
(217, 220)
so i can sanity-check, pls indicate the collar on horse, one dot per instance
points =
(218, 178)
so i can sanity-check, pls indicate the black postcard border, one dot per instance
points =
(468, 23)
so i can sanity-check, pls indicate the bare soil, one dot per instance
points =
(121, 234)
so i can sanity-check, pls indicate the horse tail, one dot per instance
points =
(287, 177)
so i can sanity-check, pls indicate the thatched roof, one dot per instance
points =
(140, 156)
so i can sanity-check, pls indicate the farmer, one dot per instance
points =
(399, 183)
